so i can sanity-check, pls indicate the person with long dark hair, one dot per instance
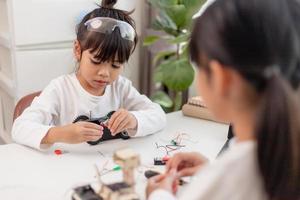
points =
(247, 53)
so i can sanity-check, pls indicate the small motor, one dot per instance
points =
(106, 132)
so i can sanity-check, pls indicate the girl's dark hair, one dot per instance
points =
(260, 40)
(108, 47)
(294, 6)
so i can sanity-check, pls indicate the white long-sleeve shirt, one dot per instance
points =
(64, 99)
(235, 176)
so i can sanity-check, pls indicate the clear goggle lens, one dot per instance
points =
(107, 25)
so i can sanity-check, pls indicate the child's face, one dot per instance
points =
(95, 76)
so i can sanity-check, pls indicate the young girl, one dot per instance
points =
(106, 37)
(248, 53)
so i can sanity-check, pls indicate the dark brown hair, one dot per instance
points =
(260, 40)
(108, 47)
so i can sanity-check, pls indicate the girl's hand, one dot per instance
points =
(168, 182)
(82, 132)
(74, 133)
(186, 164)
(121, 120)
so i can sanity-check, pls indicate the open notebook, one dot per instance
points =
(195, 107)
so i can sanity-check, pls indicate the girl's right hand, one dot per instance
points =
(82, 132)
(74, 133)
(186, 164)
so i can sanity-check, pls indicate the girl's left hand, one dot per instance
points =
(121, 120)
(168, 182)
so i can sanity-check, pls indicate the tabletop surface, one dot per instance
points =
(26, 173)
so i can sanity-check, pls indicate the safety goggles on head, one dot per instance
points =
(107, 25)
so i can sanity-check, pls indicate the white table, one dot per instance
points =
(26, 173)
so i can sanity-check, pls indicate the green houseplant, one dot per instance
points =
(172, 67)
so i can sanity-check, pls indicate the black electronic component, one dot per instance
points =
(85, 192)
(118, 186)
(106, 132)
(159, 161)
(151, 173)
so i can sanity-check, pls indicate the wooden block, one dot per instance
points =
(199, 112)
(127, 158)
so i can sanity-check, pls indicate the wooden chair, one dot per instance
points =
(23, 103)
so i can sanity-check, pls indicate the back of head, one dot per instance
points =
(107, 47)
(294, 6)
(260, 40)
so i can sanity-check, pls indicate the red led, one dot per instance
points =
(58, 152)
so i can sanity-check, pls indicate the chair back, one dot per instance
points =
(23, 103)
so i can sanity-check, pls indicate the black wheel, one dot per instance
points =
(110, 114)
(81, 118)
(94, 142)
(124, 135)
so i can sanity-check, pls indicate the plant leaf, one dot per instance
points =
(178, 14)
(178, 75)
(162, 99)
(151, 39)
(162, 3)
(192, 6)
(162, 55)
(164, 22)
(158, 75)
(180, 39)
(185, 50)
